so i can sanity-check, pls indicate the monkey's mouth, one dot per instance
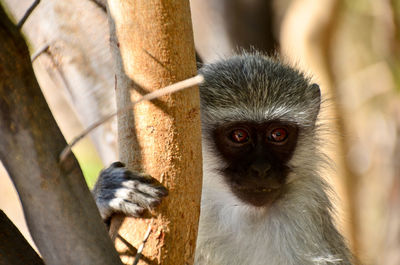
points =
(257, 189)
(258, 195)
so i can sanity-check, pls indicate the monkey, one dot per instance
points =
(264, 200)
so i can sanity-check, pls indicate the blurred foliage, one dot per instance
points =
(89, 161)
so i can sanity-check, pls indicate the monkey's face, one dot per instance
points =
(256, 155)
(258, 117)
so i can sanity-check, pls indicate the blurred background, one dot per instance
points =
(350, 47)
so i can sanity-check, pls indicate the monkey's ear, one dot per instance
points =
(316, 96)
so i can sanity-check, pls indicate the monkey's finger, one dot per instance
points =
(126, 207)
(155, 191)
(132, 194)
(144, 199)
(142, 177)
(118, 173)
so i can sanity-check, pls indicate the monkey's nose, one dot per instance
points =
(260, 168)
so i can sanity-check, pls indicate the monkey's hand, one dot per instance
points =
(119, 190)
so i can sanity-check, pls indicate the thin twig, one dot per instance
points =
(39, 52)
(141, 247)
(150, 96)
(27, 14)
(131, 249)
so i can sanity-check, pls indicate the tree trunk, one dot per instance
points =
(152, 42)
(60, 213)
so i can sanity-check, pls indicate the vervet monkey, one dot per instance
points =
(263, 199)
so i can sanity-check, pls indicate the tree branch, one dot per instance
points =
(152, 44)
(60, 213)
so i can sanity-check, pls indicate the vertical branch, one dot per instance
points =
(152, 43)
(308, 33)
(350, 177)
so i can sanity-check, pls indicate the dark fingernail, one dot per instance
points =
(117, 164)
(139, 212)
(155, 203)
(162, 191)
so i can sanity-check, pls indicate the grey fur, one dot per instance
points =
(298, 228)
(119, 190)
(251, 86)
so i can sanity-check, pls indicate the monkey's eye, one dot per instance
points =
(240, 136)
(278, 135)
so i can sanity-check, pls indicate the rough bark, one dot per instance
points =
(14, 249)
(163, 138)
(60, 213)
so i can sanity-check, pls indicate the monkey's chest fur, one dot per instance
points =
(296, 230)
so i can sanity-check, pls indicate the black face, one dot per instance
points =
(257, 156)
